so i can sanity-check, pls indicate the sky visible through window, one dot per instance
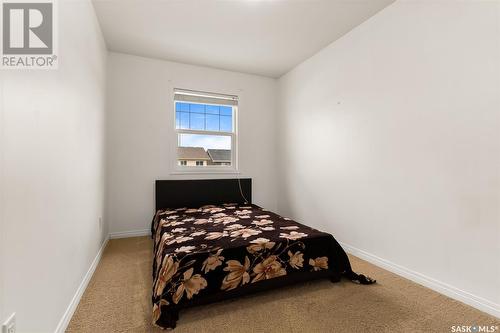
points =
(204, 117)
(205, 141)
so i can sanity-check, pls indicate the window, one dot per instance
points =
(205, 129)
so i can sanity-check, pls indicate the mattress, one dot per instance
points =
(212, 253)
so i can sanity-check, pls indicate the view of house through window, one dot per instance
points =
(205, 126)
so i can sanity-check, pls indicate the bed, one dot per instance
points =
(211, 243)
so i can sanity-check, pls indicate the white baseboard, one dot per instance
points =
(441, 287)
(63, 323)
(131, 233)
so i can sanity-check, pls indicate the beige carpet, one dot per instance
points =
(118, 300)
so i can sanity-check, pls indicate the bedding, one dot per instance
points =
(212, 253)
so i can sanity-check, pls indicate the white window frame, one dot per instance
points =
(207, 169)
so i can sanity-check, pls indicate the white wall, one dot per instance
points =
(52, 173)
(140, 132)
(390, 139)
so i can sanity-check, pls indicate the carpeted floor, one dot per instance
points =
(118, 300)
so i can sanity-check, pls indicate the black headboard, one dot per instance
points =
(199, 192)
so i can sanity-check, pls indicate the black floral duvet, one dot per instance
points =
(217, 252)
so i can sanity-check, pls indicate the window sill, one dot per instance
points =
(205, 172)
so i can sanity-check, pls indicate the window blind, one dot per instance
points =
(182, 95)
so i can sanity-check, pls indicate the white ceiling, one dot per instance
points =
(261, 37)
